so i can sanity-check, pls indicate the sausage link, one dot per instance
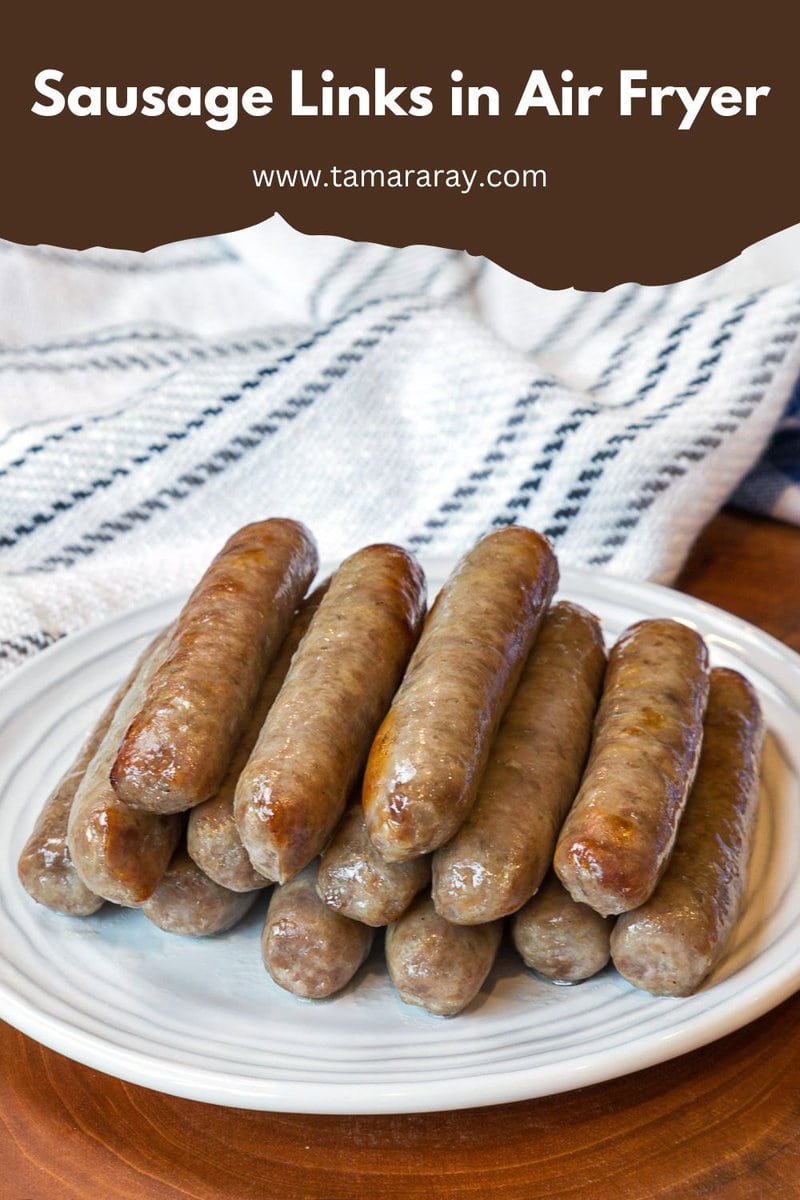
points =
(670, 944)
(178, 746)
(45, 867)
(212, 839)
(356, 882)
(312, 747)
(430, 752)
(309, 949)
(560, 938)
(436, 965)
(620, 831)
(186, 901)
(119, 852)
(501, 853)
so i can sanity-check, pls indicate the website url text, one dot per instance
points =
(451, 178)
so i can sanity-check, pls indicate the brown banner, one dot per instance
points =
(499, 127)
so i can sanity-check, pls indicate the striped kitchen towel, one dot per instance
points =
(151, 403)
(773, 485)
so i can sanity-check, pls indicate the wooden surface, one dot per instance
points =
(723, 1122)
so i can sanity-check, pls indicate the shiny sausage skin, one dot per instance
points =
(315, 739)
(186, 901)
(670, 944)
(438, 966)
(619, 833)
(45, 867)
(212, 839)
(120, 853)
(429, 755)
(502, 852)
(356, 882)
(309, 949)
(178, 746)
(561, 939)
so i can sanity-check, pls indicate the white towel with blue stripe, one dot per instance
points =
(151, 403)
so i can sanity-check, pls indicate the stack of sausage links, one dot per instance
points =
(430, 775)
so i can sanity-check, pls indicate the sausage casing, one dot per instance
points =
(355, 881)
(177, 748)
(619, 833)
(186, 901)
(312, 747)
(429, 754)
(212, 838)
(672, 942)
(120, 853)
(436, 965)
(45, 866)
(560, 938)
(309, 949)
(501, 853)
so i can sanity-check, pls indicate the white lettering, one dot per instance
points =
(85, 101)
(51, 94)
(127, 108)
(725, 100)
(257, 101)
(751, 97)
(183, 101)
(153, 102)
(222, 107)
(628, 93)
(299, 107)
(537, 94)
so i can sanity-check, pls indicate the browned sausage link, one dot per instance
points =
(293, 790)
(186, 901)
(561, 939)
(428, 757)
(212, 838)
(670, 944)
(436, 965)
(308, 948)
(177, 749)
(502, 852)
(619, 833)
(45, 867)
(357, 882)
(120, 853)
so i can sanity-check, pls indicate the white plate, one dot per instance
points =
(202, 1019)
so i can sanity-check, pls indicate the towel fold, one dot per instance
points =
(151, 403)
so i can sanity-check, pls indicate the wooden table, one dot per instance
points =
(721, 1122)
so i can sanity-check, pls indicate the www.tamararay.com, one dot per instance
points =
(451, 178)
